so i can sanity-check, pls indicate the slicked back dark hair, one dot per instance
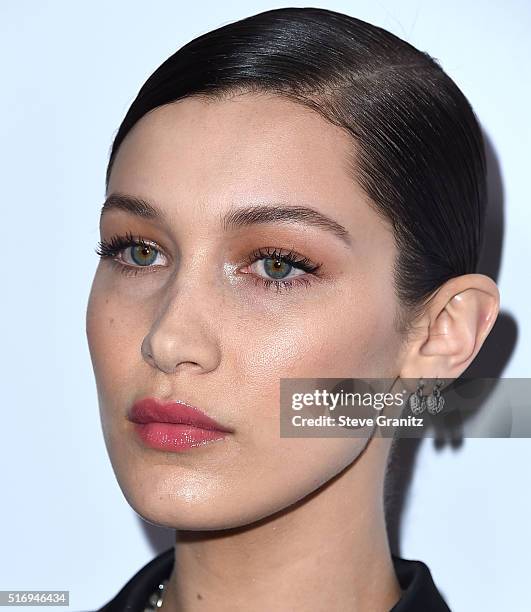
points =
(419, 151)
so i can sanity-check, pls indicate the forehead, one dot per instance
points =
(247, 146)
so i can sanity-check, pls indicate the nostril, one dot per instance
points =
(146, 352)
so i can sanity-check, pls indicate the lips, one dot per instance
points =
(153, 410)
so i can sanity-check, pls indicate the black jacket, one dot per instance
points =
(419, 591)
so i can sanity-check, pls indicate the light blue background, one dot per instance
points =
(69, 72)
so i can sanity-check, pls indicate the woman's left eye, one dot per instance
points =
(276, 268)
(281, 271)
(140, 255)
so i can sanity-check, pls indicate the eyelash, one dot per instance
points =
(110, 249)
(291, 258)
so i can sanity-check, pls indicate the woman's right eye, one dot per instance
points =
(130, 253)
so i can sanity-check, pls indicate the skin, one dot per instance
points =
(262, 522)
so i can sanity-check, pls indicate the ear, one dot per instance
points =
(449, 333)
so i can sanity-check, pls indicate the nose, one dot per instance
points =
(184, 333)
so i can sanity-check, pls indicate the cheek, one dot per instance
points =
(323, 340)
(114, 338)
(353, 336)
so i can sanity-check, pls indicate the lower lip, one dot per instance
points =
(176, 437)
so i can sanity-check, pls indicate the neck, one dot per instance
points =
(327, 552)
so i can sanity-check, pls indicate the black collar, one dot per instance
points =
(419, 593)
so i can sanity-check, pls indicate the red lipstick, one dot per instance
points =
(174, 426)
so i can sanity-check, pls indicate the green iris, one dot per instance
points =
(143, 255)
(277, 268)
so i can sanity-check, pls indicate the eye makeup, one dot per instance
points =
(271, 267)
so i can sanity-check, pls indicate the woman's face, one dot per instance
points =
(209, 320)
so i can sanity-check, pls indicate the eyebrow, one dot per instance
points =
(238, 217)
(133, 205)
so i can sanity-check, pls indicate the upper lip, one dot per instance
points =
(152, 409)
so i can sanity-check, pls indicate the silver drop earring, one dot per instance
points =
(435, 401)
(417, 402)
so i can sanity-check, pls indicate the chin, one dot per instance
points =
(173, 512)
